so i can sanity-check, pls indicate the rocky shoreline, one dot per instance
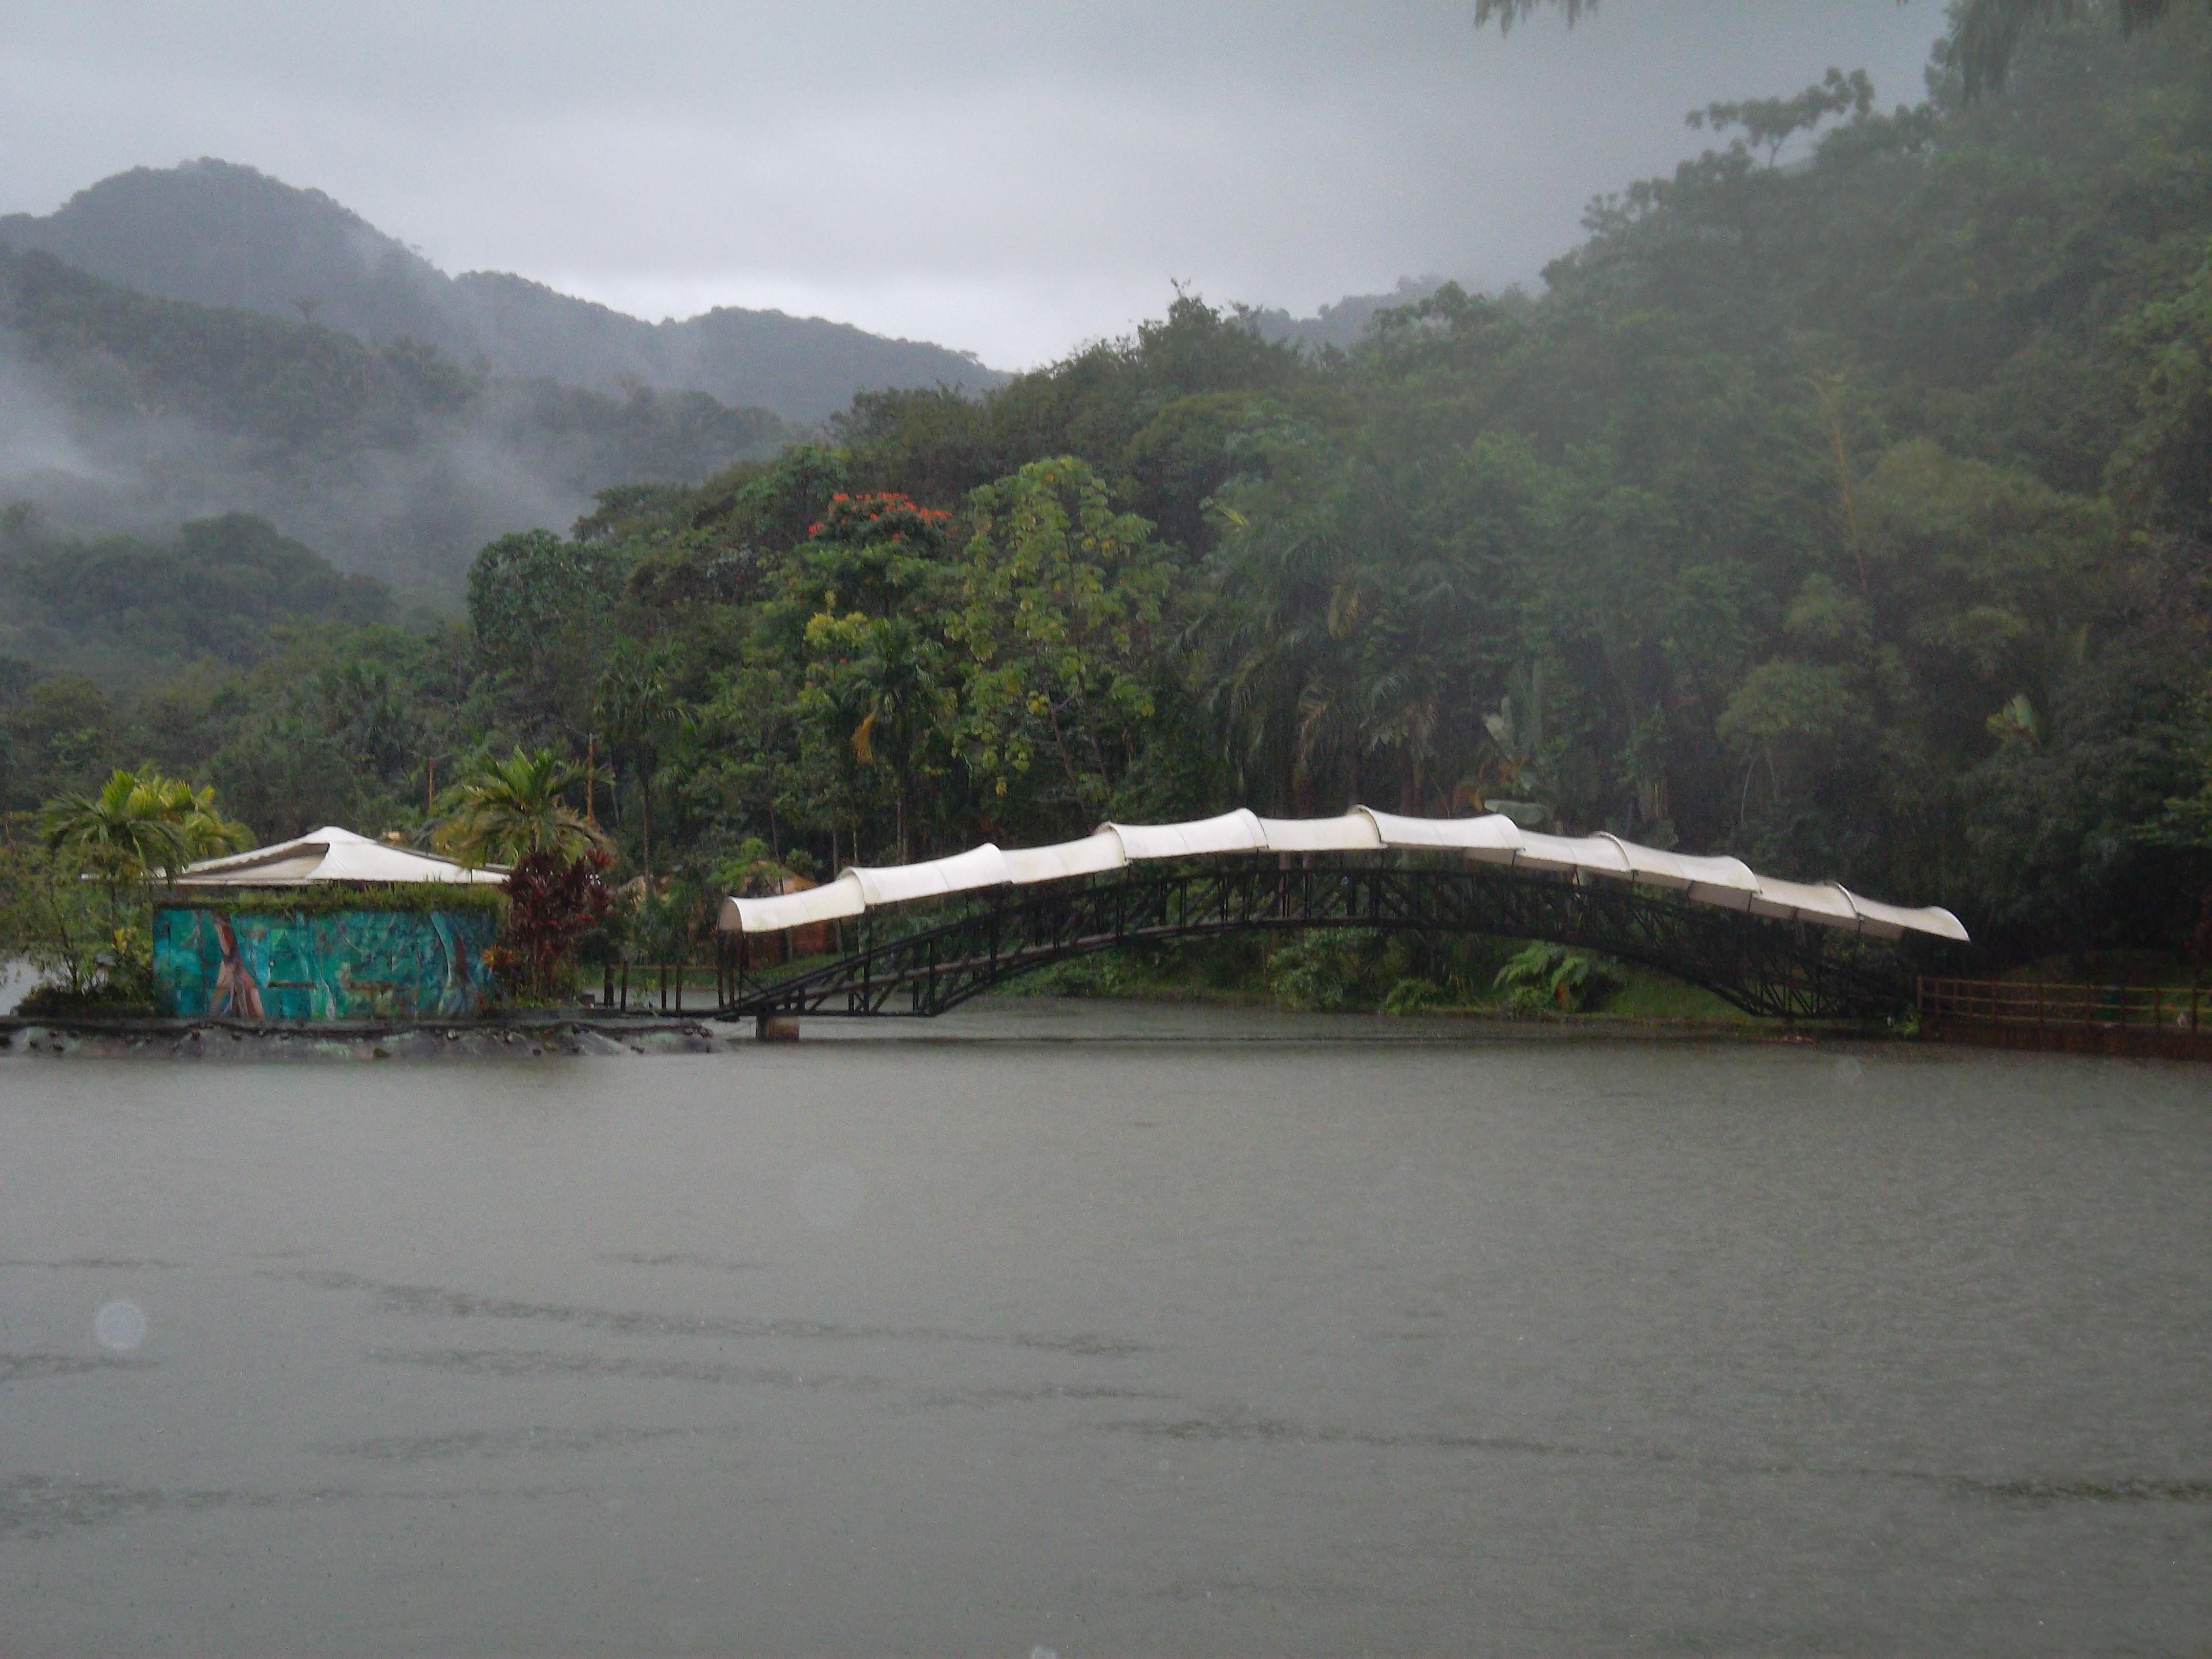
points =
(218, 1040)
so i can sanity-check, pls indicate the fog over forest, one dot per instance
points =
(456, 408)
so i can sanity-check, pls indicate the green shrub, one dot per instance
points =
(59, 1002)
(1413, 995)
(88, 947)
(1551, 978)
(1103, 974)
(337, 898)
(1322, 969)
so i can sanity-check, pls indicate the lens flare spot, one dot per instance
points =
(119, 1326)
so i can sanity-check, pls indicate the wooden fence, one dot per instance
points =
(2109, 1019)
(662, 986)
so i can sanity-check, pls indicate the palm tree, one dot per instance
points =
(124, 832)
(635, 710)
(206, 832)
(504, 810)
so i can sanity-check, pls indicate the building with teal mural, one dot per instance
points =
(367, 930)
(322, 964)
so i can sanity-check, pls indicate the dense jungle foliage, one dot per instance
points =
(133, 615)
(1850, 513)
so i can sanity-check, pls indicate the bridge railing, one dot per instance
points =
(2046, 1005)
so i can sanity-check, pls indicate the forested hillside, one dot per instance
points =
(217, 234)
(132, 615)
(118, 410)
(1850, 515)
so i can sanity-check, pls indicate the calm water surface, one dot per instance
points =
(1186, 1341)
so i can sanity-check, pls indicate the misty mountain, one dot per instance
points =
(120, 412)
(218, 234)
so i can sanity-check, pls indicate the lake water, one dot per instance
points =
(1109, 1331)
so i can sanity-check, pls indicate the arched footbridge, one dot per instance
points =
(1786, 949)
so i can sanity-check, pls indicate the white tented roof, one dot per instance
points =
(1355, 832)
(1091, 856)
(841, 897)
(331, 854)
(1232, 832)
(1727, 882)
(1892, 922)
(979, 866)
(1796, 901)
(1493, 837)
(1651, 865)
(1599, 854)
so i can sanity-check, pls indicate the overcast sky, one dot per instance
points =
(1009, 177)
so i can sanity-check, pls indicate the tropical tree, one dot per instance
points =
(553, 903)
(1060, 615)
(541, 613)
(504, 810)
(53, 918)
(1984, 36)
(862, 608)
(634, 708)
(1357, 614)
(1768, 123)
(126, 831)
(137, 825)
(206, 833)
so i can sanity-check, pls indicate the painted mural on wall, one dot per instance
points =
(342, 964)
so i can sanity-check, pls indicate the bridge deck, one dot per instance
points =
(1765, 967)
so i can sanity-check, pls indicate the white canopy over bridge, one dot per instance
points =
(1494, 839)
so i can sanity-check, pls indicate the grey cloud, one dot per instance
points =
(996, 176)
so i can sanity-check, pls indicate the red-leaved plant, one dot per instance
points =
(552, 902)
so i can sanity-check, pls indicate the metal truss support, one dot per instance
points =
(1774, 968)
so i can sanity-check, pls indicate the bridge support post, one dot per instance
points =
(775, 1027)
